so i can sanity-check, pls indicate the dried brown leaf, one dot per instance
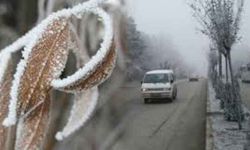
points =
(32, 130)
(46, 61)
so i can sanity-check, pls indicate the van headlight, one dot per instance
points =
(167, 89)
(143, 89)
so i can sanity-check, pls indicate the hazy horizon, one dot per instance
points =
(174, 20)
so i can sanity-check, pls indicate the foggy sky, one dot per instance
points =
(173, 18)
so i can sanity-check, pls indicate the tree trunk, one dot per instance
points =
(226, 62)
(220, 65)
(231, 69)
(237, 100)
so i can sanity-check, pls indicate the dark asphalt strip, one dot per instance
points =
(197, 95)
(170, 115)
(164, 122)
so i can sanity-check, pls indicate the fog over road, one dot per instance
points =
(126, 123)
(168, 126)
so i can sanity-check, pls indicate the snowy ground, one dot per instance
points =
(226, 135)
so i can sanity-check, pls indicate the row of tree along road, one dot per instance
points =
(220, 21)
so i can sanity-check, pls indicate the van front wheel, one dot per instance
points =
(175, 95)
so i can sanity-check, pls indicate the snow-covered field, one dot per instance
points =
(226, 135)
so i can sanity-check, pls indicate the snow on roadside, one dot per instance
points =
(226, 135)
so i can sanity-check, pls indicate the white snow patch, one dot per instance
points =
(160, 72)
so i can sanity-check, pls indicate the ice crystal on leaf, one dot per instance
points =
(25, 98)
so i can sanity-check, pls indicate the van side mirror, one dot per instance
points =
(171, 81)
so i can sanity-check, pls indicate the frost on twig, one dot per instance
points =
(44, 58)
(4, 101)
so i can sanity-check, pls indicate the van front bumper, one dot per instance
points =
(156, 95)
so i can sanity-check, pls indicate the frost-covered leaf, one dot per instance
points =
(87, 78)
(32, 127)
(46, 61)
(44, 57)
(84, 105)
(97, 75)
(99, 67)
(4, 102)
(84, 102)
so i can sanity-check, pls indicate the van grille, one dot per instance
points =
(156, 89)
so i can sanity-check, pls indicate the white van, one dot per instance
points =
(159, 84)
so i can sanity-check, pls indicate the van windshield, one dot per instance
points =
(156, 78)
